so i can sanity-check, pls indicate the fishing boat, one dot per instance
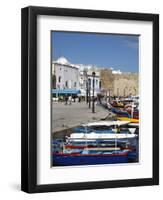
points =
(107, 123)
(120, 112)
(81, 144)
(131, 120)
(129, 109)
(89, 147)
(118, 104)
(133, 125)
(102, 142)
(108, 134)
(96, 144)
(99, 127)
(91, 157)
(97, 136)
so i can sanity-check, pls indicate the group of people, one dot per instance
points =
(69, 99)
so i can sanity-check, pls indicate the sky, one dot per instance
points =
(102, 50)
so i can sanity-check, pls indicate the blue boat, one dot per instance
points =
(92, 150)
(89, 130)
(120, 112)
(95, 158)
(102, 142)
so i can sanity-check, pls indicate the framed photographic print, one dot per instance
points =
(90, 99)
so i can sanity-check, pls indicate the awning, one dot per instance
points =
(65, 91)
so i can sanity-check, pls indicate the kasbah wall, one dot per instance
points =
(124, 84)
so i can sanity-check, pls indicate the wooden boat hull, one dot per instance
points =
(88, 159)
(132, 120)
(133, 125)
(120, 112)
(96, 136)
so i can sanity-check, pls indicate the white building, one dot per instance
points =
(75, 76)
(64, 75)
(86, 80)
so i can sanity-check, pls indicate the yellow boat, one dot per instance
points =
(128, 119)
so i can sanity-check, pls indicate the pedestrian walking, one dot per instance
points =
(66, 99)
(70, 100)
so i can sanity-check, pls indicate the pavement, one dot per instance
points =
(65, 117)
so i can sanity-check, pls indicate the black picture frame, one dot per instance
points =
(29, 99)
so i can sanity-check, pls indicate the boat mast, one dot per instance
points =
(132, 110)
(85, 135)
(116, 130)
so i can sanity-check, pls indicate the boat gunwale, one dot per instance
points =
(88, 155)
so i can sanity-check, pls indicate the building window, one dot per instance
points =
(54, 81)
(96, 82)
(66, 84)
(59, 79)
(89, 83)
(100, 84)
(75, 84)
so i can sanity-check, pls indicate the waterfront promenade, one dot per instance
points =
(68, 116)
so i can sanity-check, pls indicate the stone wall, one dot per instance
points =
(107, 81)
(124, 84)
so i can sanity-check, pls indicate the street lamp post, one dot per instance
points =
(93, 101)
(89, 92)
(87, 89)
(86, 83)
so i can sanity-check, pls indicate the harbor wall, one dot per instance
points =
(124, 84)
